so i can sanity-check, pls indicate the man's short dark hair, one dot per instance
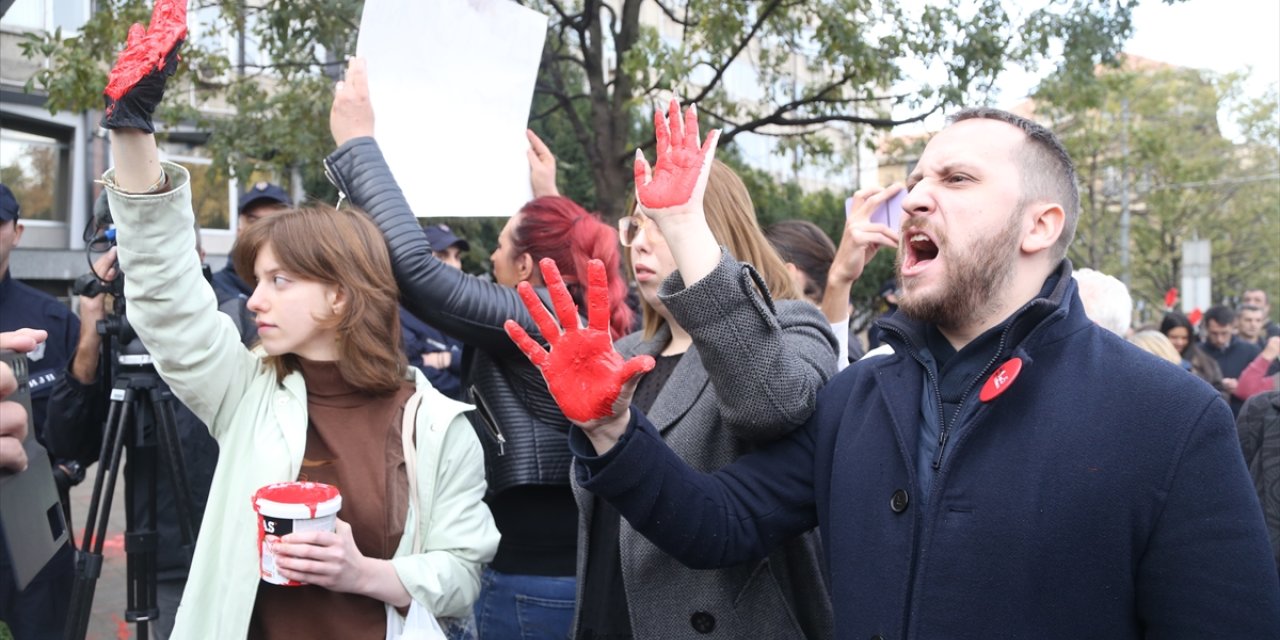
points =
(1047, 170)
(1221, 315)
(1248, 307)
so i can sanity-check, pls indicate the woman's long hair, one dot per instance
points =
(556, 227)
(807, 246)
(732, 219)
(342, 248)
(1173, 320)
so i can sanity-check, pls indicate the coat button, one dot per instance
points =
(703, 622)
(899, 501)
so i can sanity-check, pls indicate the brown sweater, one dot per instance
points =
(353, 443)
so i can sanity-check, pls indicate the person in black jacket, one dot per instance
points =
(77, 413)
(528, 589)
(1231, 353)
(1011, 470)
(437, 355)
(39, 609)
(1259, 430)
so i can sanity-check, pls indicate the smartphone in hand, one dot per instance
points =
(889, 213)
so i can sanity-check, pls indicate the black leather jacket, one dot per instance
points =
(524, 434)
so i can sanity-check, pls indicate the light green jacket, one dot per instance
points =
(261, 429)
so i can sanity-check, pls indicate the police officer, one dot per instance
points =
(40, 610)
(260, 201)
(437, 355)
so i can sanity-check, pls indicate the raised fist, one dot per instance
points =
(136, 83)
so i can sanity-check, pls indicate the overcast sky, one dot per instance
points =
(1218, 35)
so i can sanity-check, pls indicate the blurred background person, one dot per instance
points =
(1230, 352)
(1251, 322)
(1258, 298)
(1156, 343)
(1261, 374)
(1181, 334)
(1106, 300)
(888, 293)
(1259, 430)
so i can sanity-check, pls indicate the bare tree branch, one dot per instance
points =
(686, 23)
(780, 119)
(565, 18)
(613, 18)
(742, 44)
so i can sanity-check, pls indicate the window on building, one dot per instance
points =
(36, 168)
(210, 195)
(48, 15)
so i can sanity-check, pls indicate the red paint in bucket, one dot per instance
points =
(291, 507)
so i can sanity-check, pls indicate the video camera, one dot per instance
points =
(120, 338)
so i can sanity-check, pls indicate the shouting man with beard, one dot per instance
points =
(1012, 470)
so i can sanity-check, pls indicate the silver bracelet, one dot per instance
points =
(159, 184)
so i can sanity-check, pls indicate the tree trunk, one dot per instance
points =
(613, 187)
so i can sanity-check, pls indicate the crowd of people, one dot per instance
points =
(668, 429)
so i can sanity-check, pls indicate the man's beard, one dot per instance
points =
(974, 278)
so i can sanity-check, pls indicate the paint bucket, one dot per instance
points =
(291, 507)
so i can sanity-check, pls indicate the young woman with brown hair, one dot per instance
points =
(322, 398)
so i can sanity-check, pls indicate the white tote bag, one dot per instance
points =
(419, 624)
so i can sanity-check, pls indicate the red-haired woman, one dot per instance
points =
(528, 590)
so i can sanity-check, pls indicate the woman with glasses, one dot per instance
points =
(739, 359)
(527, 591)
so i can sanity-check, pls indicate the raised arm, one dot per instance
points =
(461, 305)
(169, 301)
(766, 361)
(670, 192)
(78, 400)
(859, 243)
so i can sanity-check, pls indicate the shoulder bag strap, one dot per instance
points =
(411, 464)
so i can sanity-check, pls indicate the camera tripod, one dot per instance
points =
(140, 420)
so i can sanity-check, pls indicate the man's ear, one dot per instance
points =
(17, 233)
(1047, 221)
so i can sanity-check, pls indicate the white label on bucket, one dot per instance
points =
(275, 528)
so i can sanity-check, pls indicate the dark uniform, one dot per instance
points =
(40, 610)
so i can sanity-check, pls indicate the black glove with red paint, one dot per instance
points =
(137, 80)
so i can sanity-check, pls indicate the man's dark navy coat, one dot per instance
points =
(1102, 495)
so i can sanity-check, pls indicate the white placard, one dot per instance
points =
(451, 83)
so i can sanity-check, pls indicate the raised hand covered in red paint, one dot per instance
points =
(587, 377)
(136, 83)
(678, 179)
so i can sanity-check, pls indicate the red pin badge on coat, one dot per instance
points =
(1000, 380)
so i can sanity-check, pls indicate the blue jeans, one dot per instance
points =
(512, 607)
